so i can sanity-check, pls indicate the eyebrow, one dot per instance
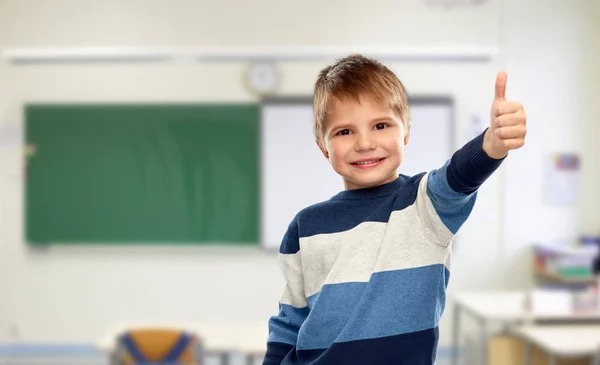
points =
(342, 126)
(383, 119)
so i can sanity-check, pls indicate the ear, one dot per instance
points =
(322, 148)
(407, 133)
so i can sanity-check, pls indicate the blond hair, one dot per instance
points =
(355, 77)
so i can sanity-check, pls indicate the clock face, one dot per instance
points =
(262, 78)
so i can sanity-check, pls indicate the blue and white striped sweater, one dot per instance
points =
(367, 270)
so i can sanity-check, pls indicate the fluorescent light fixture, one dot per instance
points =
(86, 55)
(320, 53)
(233, 54)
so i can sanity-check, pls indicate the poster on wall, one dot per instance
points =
(561, 180)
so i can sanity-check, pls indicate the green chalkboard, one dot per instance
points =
(146, 173)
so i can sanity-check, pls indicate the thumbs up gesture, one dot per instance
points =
(507, 123)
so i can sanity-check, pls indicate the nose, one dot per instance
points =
(365, 142)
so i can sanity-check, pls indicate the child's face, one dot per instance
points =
(364, 142)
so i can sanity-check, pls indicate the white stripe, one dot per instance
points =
(341, 257)
(354, 255)
(433, 226)
(293, 294)
(406, 246)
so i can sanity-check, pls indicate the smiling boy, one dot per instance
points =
(367, 270)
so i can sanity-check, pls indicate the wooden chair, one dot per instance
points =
(157, 346)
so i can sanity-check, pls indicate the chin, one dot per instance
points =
(360, 182)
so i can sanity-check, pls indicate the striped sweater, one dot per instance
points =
(367, 270)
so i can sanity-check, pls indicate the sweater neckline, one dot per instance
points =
(372, 192)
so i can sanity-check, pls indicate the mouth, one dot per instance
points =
(366, 163)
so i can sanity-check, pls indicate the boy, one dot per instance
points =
(366, 271)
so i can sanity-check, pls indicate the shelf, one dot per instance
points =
(563, 280)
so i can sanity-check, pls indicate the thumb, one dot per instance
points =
(500, 86)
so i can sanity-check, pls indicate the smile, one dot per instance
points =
(368, 163)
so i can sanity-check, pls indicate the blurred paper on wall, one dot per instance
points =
(561, 180)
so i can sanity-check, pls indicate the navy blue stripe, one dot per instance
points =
(417, 348)
(392, 302)
(342, 212)
(276, 352)
(290, 243)
(470, 166)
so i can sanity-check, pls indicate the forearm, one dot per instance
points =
(471, 165)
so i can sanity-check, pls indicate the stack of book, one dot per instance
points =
(565, 263)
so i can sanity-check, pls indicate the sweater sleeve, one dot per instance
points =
(451, 190)
(293, 307)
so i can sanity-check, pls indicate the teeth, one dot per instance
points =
(366, 162)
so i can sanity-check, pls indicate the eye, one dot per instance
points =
(343, 132)
(381, 125)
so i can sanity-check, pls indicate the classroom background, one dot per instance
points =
(122, 205)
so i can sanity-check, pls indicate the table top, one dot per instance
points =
(564, 340)
(493, 305)
(509, 306)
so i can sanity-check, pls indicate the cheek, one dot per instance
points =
(394, 146)
(337, 152)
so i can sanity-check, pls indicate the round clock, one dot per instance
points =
(262, 78)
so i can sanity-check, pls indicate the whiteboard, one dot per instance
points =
(295, 174)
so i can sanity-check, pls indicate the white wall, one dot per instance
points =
(198, 284)
(228, 22)
(552, 65)
(590, 133)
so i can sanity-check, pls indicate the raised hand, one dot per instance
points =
(508, 123)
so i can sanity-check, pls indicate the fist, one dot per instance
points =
(508, 123)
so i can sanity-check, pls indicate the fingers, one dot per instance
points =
(508, 120)
(513, 132)
(506, 107)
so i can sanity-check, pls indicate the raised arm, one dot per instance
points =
(452, 188)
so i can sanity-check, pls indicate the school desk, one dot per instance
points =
(562, 341)
(508, 308)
